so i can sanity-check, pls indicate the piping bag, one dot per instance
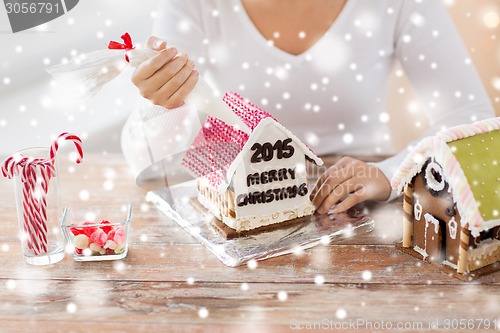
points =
(88, 73)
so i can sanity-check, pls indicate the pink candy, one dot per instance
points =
(99, 237)
(118, 236)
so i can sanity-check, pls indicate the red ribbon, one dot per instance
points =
(126, 45)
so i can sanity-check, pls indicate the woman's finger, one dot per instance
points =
(335, 178)
(177, 80)
(339, 193)
(180, 95)
(350, 201)
(342, 163)
(149, 67)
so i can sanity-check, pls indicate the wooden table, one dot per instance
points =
(169, 282)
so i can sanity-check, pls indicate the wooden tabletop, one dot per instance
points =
(171, 283)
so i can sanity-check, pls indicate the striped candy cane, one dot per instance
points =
(67, 137)
(35, 174)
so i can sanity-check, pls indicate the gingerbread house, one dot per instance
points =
(250, 181)
(451, 185)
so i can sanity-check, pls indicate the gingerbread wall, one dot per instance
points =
(441, 245)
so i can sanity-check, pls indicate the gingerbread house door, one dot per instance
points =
(433, 242)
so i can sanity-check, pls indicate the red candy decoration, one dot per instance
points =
(106, 229)
(89, 230)
(76, 231)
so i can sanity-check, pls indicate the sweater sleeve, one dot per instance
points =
(436, 62)
(155, 139)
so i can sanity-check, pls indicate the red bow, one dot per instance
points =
(126, 45)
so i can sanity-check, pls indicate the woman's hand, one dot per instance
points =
(167, 78)
(347, 183)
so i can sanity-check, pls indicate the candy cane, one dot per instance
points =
(67, 137)
(34, 204)
(29, 217)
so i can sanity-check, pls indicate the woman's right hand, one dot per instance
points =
(166, 78)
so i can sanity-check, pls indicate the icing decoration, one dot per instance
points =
(452, 227)
(418, 210)
(445, 148)
(450, 264)
(421, 251)
(434, 176)
(265, 152)
(219, 148)
(271, 195)
(270, 176)
(429, 219)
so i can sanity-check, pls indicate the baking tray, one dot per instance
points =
(176, 203)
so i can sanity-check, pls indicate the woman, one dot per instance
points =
(320, 67)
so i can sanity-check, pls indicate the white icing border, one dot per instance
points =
(421, 251)
(450, 264)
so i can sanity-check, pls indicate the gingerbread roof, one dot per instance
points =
(216, 151)
(468, 155)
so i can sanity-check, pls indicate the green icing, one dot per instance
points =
(478, 156)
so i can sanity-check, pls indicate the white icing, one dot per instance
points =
(266, 131)
(421, 251)
(432, 182)
(450, 264)
(431, 219)
(485, 249)
(270, 131)
(418, 210)
(452, 227)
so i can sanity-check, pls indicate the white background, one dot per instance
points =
(32, 111)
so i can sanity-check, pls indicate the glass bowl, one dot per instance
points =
(97, 233)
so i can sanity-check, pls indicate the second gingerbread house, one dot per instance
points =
(451, 185)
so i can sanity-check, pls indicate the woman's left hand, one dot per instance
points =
(348, 182)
